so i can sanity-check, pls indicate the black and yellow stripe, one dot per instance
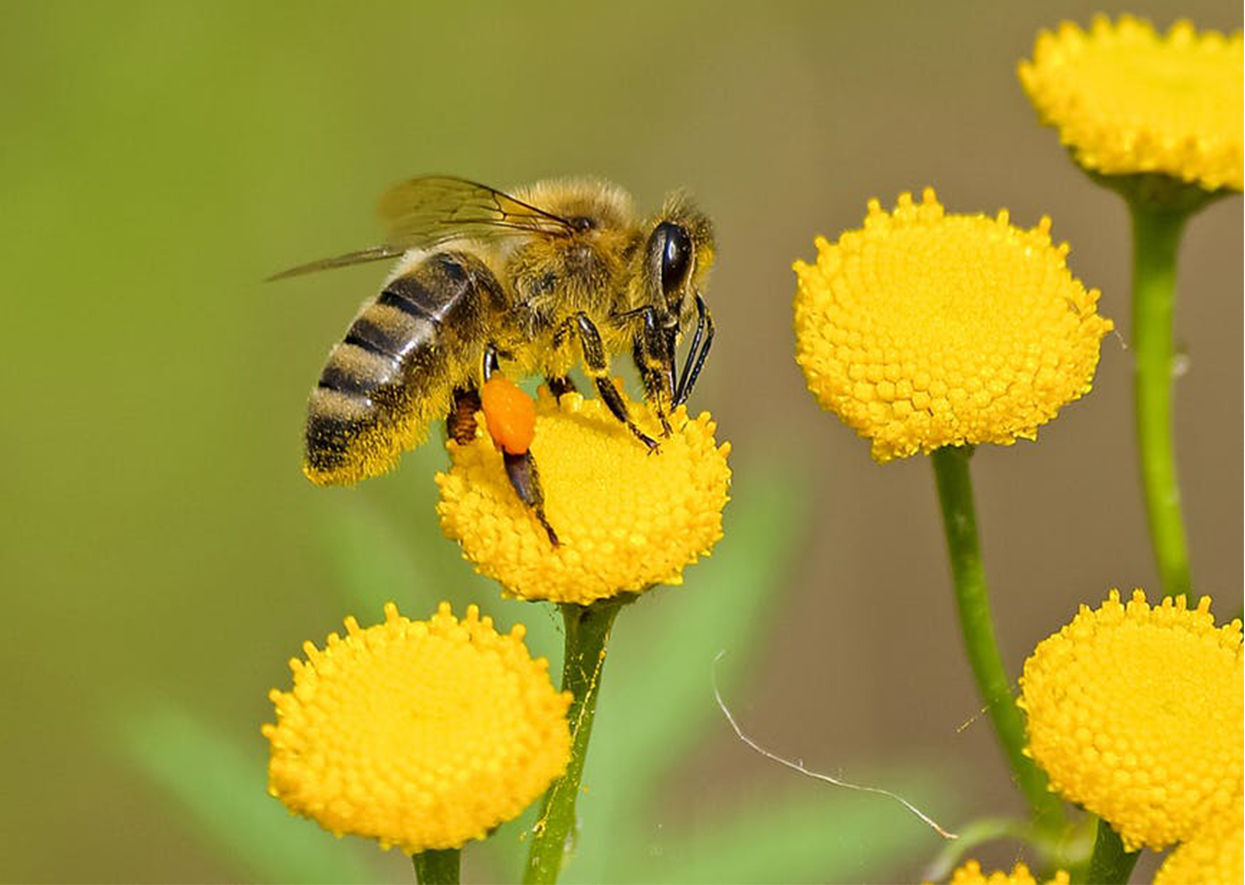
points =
(397, 367)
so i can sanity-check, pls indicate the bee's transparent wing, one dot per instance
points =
(425, 212)
(376, 253)
(429, 211)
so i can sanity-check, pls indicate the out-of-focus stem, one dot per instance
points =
(959, 519)
(1156, 239)
(587, 632)
(437, 867)
(1110, 864)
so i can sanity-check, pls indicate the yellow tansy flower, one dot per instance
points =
(1213, 855)
(925, 329)
(1127, 100)
(421, 734)
(626, 519)
(972, 874)
(1136, 713)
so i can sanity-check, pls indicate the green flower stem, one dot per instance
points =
(955, 493)
(437, 867)
(1110, 864)
(587, 632)
(1156, 239)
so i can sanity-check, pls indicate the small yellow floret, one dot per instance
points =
(421, 734)
(627, 519)
(925, 330)
(1213, 855)
(1127, 100)
(972, 874)
(1136, 713)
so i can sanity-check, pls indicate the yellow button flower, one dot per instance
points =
(1127, 100)
(626, 519)
(1136, 713)
(1213, 855)
(421, 734)
(972, 874)
(925, 329)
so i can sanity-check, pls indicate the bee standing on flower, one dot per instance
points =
(488, 281)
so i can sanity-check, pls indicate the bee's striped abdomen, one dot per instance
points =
(396, 368)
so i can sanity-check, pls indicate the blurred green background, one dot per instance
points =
(162, 556)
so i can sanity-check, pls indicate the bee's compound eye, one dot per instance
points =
(676, 255)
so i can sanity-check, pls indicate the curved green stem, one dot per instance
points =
(1110, 864)
(1156, 239)
(587, 632)
(437, 867)
(955, 494)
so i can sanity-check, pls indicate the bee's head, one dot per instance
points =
(677, 257)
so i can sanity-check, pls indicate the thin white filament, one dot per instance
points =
(799, 765)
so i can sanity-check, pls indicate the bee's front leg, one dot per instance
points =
(653, 351)
(696, 353)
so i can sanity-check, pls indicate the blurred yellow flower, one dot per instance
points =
(627, 519)
(1136, 713)
(1213, 855)
(971, 874)
(1128, 100)
(421, 734)
(925, 329)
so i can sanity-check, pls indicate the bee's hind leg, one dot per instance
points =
(460, 423)
(520, 466)
(525, 480)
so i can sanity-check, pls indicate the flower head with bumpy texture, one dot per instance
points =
(1136, 713)
(925, 329)
(1214, 854)
(971, 873)
(421, 734)
(626, 519)
(1127, 100)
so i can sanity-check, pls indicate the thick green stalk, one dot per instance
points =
(437, 867)
(1156, 239)
(1110, 864)
(587, 632)
(959, 519)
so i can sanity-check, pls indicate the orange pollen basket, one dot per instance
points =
(510, 413)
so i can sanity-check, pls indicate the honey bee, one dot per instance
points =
(562, 273)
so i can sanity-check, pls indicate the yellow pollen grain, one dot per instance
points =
(420, 734)
(1126, 99)
(925, 329)
(1135, 712)
(627, 519)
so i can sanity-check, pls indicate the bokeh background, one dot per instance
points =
(162, 556)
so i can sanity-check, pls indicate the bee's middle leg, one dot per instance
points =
(560, 385)
(598, 369)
